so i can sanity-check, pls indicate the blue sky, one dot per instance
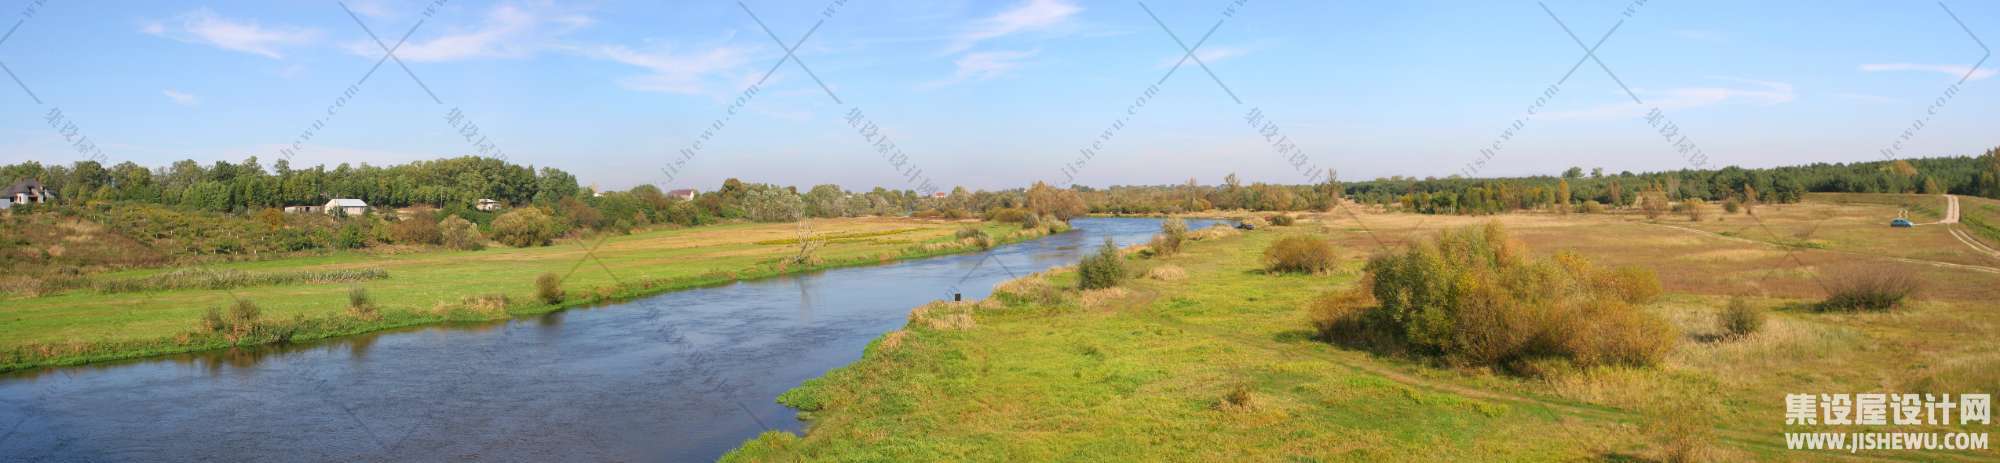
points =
(994, 94)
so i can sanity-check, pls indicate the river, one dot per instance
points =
(680, 376)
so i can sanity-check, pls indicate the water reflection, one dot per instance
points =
(678, 376)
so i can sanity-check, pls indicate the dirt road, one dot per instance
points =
(1951, 218)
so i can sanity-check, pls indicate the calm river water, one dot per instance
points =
(682, 376)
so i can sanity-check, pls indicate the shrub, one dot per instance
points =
(461, 234)
(1031, 221)
(1009, 215)
(1282, 220)
(1103, 269)
(359, 302)
(1299, 254)
(1590, 207)
(353, 235)
(1337, 316)
(548, 288)
(1862, 289)
(524, 227)
(1694, 209)
(238, 319)
(1732, 205)
(1740, 320)
(1630, 284)
(976, 237)
(418, 229)
(1173, 232)
(1472, 296)
(211, 321)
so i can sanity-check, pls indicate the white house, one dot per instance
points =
(24, 192)
(684, 195)
(302, 209)
(349, 206)
(487, 205)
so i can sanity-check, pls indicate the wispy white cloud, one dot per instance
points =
(1033, 15)
(506, 31)
(1752, 92)
(180, 98)
(1953, 70)
(983, 65)
(1208, 54)
(669, 70)
(203, 26)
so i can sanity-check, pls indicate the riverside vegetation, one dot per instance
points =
(1512, 337)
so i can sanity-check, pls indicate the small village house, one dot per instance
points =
(485, 204)
(683, 194)
(348, 206)
(302, 209)
(26, 191)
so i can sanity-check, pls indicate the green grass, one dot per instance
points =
(1149, 377)
(81, 326)
(1219, 366)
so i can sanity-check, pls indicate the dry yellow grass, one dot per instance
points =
(1102, 298)
(1166, 273)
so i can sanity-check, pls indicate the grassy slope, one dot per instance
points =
(84, 325)
(1981, 216)
(1141, 378)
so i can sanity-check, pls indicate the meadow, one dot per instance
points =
(162, 310)
(1210, 357)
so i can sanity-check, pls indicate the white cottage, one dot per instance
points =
(347, 206)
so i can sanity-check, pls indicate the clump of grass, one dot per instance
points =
(1101, 270)
(1863, 290)
(1032, 289)
(486, 303)
(943, 316)
(975, 237)
(360, 304)
(1173, 232)
(548, 288)
(1166, 273)
(1683, 428)
(1300, 254)
(1240, 398)
(1214, 232)
(1740, 320)
(1282, 220)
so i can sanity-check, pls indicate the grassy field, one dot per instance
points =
(1219, 365)
(430, 287)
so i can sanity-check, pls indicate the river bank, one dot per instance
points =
(447, 287)
(676, 376)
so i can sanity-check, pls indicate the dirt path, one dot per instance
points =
(1933, 263)
(1951, 218)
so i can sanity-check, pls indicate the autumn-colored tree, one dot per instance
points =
(1562, 195)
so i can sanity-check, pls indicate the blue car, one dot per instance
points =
(1901, 223)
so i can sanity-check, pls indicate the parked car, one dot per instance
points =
(1901, 223)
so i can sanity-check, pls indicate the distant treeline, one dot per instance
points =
(1573, 188)
(233, 209)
